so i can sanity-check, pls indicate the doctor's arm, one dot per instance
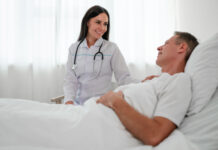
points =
(121, 71)
(70, 81)
(151, 131)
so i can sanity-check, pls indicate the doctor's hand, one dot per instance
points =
(69, 102)
(150, 77)
(109, 98)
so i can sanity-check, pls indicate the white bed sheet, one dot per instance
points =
(40, 126)
(26, 124)
(33, 124)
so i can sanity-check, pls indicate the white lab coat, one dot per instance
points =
(93, 78)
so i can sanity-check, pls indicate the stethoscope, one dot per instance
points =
(97, 53)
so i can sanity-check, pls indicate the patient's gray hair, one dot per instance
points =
(188, 38)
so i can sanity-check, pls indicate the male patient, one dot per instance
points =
(171, 106)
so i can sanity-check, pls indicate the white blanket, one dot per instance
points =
(33, 125)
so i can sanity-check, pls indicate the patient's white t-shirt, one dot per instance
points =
(168, 96)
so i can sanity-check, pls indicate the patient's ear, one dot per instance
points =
(183, 46)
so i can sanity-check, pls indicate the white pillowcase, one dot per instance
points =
(202, 66)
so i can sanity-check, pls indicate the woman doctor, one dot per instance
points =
(93, 59)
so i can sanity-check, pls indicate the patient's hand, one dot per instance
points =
(69, 102)
(150, 77)
(109, 98)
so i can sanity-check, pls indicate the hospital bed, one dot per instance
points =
(30, 125)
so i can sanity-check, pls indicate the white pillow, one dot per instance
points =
(202, 128)
(203, 69)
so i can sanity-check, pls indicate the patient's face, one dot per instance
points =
(167, 53)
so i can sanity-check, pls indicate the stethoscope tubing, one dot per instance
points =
(99, 52)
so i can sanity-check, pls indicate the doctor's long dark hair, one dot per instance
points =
(93, 12)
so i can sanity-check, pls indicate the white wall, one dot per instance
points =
(199, 17)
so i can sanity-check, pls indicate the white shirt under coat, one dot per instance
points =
(93, 78)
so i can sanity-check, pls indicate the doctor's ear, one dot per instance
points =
(88, 22)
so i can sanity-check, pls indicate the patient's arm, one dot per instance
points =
(150, 131)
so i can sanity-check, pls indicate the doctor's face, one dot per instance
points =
(97, 26)
(167, 53)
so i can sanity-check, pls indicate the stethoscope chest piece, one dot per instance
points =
(74, 66)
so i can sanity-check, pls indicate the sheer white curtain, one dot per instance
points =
(143, 25)
(35, 36)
